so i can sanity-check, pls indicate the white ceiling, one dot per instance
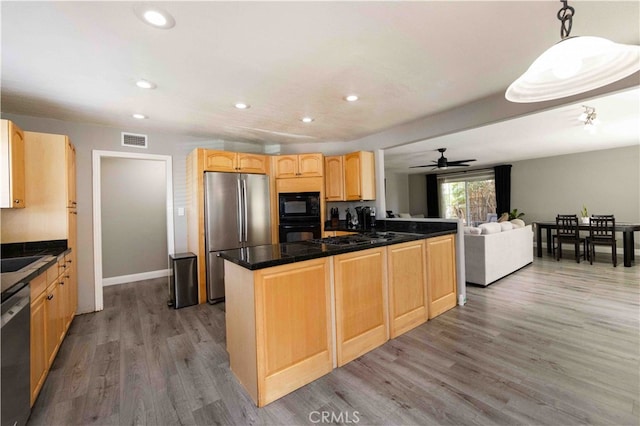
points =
(78, 61)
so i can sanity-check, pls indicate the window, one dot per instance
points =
(469, 196)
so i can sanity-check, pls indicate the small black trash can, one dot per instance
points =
(183, 280)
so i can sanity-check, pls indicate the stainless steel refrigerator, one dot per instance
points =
(237, 214)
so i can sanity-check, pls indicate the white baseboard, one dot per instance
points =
(123, 279)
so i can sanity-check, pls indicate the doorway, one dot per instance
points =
(126, 216)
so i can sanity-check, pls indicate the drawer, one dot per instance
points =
(39, 284)
(62, 265)
(52, 273)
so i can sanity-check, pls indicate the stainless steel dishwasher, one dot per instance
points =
(15, 363)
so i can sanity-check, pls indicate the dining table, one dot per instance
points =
(627, 230)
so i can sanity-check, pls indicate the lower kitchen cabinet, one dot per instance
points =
(39, 358)
(53, 304)
(441, 274)
(360, 281)
(279, 326)
(407, 286)
(53, 325)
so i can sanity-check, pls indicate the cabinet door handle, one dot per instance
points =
(16, 201)
(50, 296)
(62, 282)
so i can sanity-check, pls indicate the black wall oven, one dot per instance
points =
(299, 214)
(299, 232)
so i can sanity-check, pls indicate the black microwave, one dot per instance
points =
(299, 206)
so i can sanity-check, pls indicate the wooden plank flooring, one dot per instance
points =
(557, 343)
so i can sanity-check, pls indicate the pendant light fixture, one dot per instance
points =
(574, 65)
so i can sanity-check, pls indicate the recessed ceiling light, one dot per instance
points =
(307, 119)
(139, 116)
(351, 98)
(155, 16)
(242, 105)
(145, 84)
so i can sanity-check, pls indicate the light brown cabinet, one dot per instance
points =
(359, 176)
(360, 303)
(49, 181)
(53, 305)
(278, 331)
(302, 165)
(227, 161)
(441, 274)
(407, 286)
(334, 178)
(12, 168)
(39, 356)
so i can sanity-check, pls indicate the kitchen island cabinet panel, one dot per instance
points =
(289, 344)
(441, 274)
(407, 286)
(361, 302)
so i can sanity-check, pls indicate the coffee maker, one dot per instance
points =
(366, 217)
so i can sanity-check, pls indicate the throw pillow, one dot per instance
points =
(490, 228)
(504, 217)
(517, 223)
(506, 226)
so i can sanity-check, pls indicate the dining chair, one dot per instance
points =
(567, 231)
(602, 233)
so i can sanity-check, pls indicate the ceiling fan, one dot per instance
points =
(443, 163)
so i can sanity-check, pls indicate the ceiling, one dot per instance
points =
(79, 61)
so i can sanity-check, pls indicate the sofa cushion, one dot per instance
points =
(517, 223)
(490, 228)
(506, 226)
(472, 230)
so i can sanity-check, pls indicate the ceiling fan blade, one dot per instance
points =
(459, 162)
(424, 165)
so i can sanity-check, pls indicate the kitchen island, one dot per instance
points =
(295, 311)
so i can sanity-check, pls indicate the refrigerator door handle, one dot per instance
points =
(240, 208)
(246, 217)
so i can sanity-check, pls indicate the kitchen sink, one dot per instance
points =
(15, 264)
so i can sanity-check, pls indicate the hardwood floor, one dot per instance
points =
(556, 343)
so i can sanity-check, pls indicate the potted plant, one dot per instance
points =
(513, 214)
(584, 214)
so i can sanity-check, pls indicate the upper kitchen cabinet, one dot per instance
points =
(12, 188)
(50, 184)
(302, 165)
(227, 161)
(359, 176)
(334, 178)
(71, 175)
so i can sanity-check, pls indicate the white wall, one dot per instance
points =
(134, 216)
(606, 182)
(89, 137)
(397, 192)
(418, 194)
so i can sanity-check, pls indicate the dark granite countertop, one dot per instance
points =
(269, 255)
(12, 282)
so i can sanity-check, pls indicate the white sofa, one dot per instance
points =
(491, 256)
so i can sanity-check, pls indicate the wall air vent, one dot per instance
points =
(134, 140)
